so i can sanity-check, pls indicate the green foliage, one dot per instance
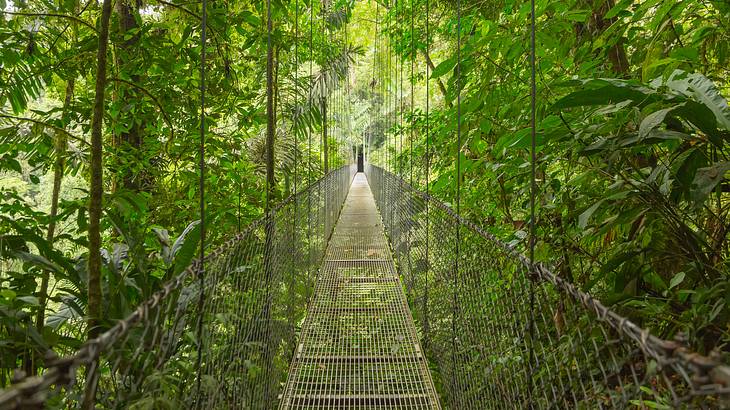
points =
(47, 60)
(632, 132)
(632, 127)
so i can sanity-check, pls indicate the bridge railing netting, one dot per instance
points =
(502, 335)
(256, 288)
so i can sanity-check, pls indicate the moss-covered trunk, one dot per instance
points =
(96, 188)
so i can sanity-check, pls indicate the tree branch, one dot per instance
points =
(45, 124)
(438, 80)
(63, 16)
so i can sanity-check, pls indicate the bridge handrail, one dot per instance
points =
(709, 372)
(61, 370)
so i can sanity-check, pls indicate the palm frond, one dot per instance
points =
(306, 110)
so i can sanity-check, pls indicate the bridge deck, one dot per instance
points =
(359, 347)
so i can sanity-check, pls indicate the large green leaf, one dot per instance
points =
(444, 67)
(705, 181)
(185, 246)
(38, 261)
(703, 90)
(585, 216)
(684, 167)
(701, 116)
(605, 92)
(653, 120)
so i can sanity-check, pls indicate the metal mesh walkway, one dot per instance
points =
(359, 347)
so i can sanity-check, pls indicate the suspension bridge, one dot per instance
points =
(352, 294)
(360, 291)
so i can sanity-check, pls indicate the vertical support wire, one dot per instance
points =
(269, 233)
(353, 151)
(310, 130)
(270, 126)
(201, 165)
(396, 106)
(533, 192)
(410, 158)
(323, 138)
(348, 103)
(295, 215)
(458, 200)
(393, 72)
(388, 102)
(399, 87)
(296, 101)
(426, 329)
(384, 67)
(374, 82)
(412, 81)
(400, 97)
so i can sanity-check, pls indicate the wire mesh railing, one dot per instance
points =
(502, 335)
(256, 286)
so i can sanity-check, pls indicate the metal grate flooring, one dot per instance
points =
(359, 348)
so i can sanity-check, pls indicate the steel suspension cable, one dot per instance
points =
(383, 101)
(295, 121)
(374, 83)
(337, 135)
(270, 190)
(335, 121)
(323, 154)
(337, 117)
(394, 89)
(381, 96)
(310, 130)
(392, 72)
(426, 324)
(270, 126)
(348, 108)
(399, 92)
(386, 91)
(458, 195)
(413, 123)
(201, 165)
(533, 189)
(412, 280)
(400, 99)
(348, 102)
(396, 106)
(386, 86)
(296, 104)
(389, 90)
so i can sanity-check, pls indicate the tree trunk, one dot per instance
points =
(61, 142)
(58, 168)
(440, 84)
(131, 140)
(268, 246)
(616, 53)
(96, 178)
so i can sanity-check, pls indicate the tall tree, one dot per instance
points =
(59, 164)
(270, 110)
(60, 143)
(130, 140)
(96, 176)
